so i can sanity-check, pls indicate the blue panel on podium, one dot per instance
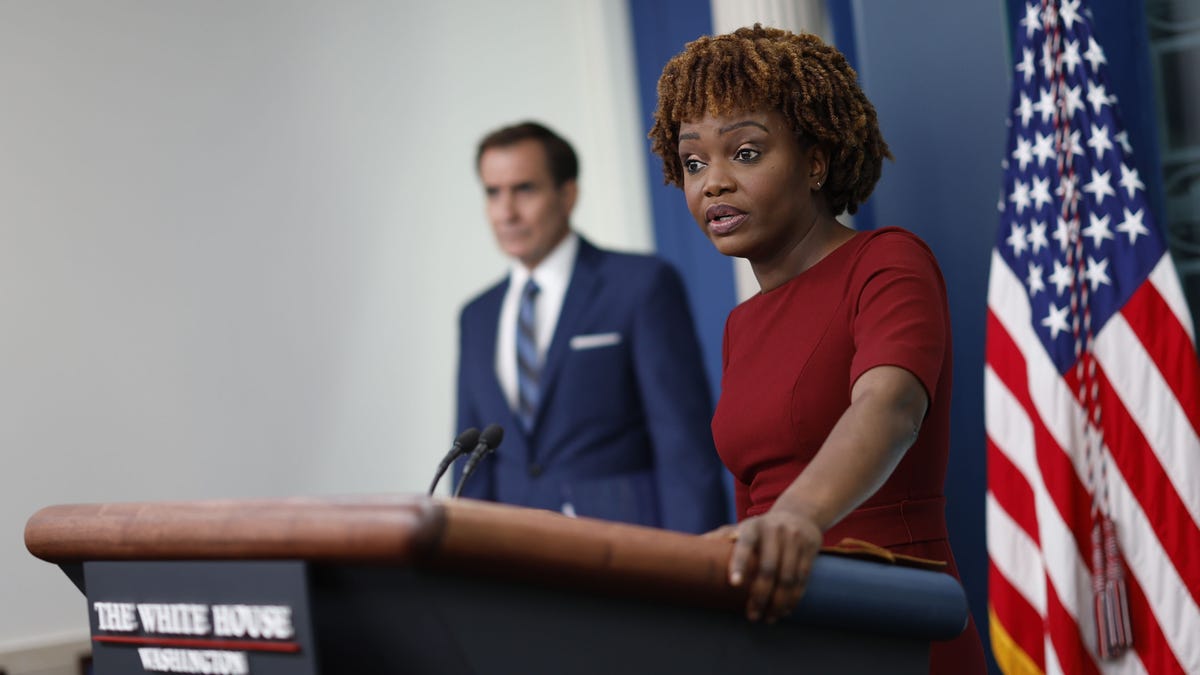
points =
(880, 598)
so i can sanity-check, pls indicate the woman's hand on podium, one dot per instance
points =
(773, 554)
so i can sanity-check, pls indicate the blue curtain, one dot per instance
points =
(661, 28)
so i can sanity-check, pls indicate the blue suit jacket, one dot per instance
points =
(623, 426)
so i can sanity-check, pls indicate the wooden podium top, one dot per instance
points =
(483, 539)
(462, 535)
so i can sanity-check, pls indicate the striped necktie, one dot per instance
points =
(528, 368)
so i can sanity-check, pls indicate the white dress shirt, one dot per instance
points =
(552, 276)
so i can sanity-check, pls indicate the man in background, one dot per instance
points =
(588, 359)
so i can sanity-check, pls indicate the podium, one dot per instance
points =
(408, 584)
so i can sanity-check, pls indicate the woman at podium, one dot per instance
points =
(835, 395)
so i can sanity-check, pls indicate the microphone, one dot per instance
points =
(489, 440)
(462, 445)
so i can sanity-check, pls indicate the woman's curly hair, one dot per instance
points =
(759, 68)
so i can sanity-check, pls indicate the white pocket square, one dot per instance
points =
(595, 340)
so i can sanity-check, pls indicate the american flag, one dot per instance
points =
(1092, 385)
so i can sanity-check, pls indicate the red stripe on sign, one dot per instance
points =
(197, 643)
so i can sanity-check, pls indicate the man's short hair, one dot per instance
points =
(560, 157)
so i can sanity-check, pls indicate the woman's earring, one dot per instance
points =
(818, 185)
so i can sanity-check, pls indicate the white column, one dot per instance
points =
(808, 16)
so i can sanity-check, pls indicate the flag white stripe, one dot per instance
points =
(1009, 427)
(1166, 282)
(1149, 400)
(1128, 664)
(1053, 667)
(1015, 556)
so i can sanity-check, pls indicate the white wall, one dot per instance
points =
(234, 238)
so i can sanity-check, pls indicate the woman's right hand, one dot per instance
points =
(785, 544)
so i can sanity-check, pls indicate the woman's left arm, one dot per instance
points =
(887, 405)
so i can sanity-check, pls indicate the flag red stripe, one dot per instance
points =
(1168, 345)
(1073, 654)
(1150, 485)
(1015, 496)
(1020, 620)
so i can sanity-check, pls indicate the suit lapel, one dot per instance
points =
(585, 281)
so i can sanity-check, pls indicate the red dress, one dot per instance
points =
(791, 356)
